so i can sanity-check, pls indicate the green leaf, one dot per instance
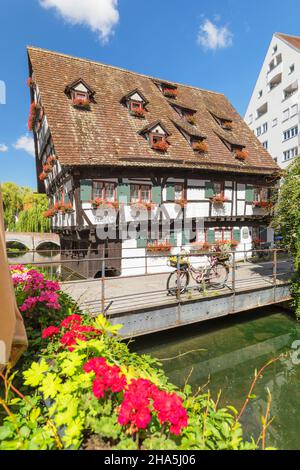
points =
(50, 386)
(35, 375)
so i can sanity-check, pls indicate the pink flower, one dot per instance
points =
(50, 332)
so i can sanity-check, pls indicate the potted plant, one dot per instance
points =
(218, 199)
(139, 112)
(191, 119)
(161, 146)
(143, 205)
(49, 213)
(81, 103)
(51, 160)
(241, 154)
(170, 92)
(227, 125)
(69, 208)
(98, 202)
(34, 109)
(201, 147)
(158, 247)
(263, 204)
(47, 169)
(43, 176)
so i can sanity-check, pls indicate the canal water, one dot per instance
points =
(227, 352)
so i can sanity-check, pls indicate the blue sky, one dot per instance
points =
(213, 44)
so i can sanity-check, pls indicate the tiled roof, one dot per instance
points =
(191, 130)
(292, 40)
(109, 135)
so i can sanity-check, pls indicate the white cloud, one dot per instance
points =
(101, 16)
(213, 37)
(3, 148)
(25, 143)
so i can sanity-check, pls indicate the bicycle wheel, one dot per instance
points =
(218, 275)
(172, 286)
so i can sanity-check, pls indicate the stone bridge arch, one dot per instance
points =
(32, 241)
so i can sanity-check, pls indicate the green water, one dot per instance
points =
(234, 348)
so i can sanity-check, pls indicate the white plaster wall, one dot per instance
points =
(276, 103)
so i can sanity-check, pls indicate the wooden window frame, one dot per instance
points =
(152, 135)
(103, 197)
(133, 103)
(258, 192)
(140, 193)
(80, 95)
(222, 192)
(183, 192)
(223, 230)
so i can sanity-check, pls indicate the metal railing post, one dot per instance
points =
(233, 272)
(103, 287)
(178, 294)
(275, 259)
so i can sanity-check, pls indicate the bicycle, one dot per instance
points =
(214, 274)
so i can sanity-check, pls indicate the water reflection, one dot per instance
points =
(233, 349)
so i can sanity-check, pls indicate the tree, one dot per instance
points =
(23, 209)
(287, 219)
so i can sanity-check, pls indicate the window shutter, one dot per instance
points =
(170, 193)
(141, 243)
(173, 239)
(123, 193)
(237, 235)
(209, 190)
(211, 236)
(186, 237)
(263, 234)
(250, 194)
(67, 198)
(85, 190)
(156, 195)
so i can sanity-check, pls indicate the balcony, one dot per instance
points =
(274, 72)
(290, 91)
(262, 110)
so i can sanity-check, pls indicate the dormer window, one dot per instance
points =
(199, 145)
(223, 122)
(157, 135)
(168, 89)
(240, 153)
(136, 103)
(81, 94)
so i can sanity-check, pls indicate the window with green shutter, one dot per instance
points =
(85, 190)
(211, 236)
(237, 234)
(209, 189)
(123, 193)
(170, 193)
(156, 195)
(250, 194)
(173, 239)
(186, 236)
(263, 234)
(67, 198)
(141, 243)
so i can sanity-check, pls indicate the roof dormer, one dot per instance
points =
(185, 112)
(81, 94)
(136, 102)
(156, 135)
(193, 135)
(169, 90)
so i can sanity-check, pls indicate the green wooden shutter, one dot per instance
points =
(211, 236)
(263, 234)
(170, 193)
(156, 195)
(237, 235)
(209, 189)
(85, 190)
(141, 243)
(67, 198)
(186, 236)
(173, 239)
(250, 194)
(123, 193)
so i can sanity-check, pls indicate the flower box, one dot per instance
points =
(201, 147)
(81, 103)
(241, 154)
(161, 146)
(47, 169)
(191, 119)
(219, 199)
(201, 247)
(140, 113)
(98, 202)
(51, 160)
(34, 109)
(263, 204)
(30, 82)
(170, 92)
(143, 205)
(227, 125)
(159, 247)
(50, 213)
(43, 176)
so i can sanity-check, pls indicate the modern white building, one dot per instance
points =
(273, 111)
